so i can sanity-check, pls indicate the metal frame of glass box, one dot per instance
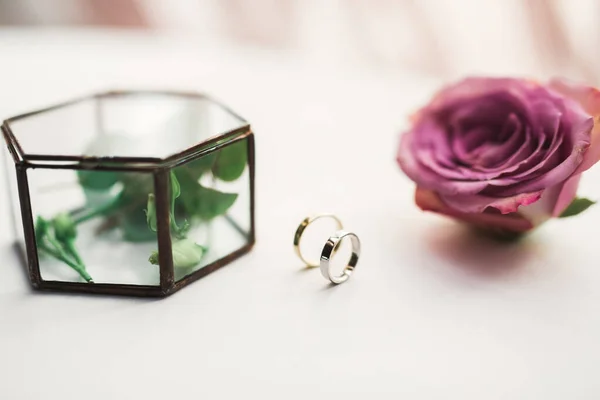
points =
(159, 167)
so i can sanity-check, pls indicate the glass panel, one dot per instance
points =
(62, 131)
(92, 225)
(132, 125)
(211, 204)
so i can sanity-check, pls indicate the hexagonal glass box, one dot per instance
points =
(133, 193)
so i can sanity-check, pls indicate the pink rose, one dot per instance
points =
(503, 153)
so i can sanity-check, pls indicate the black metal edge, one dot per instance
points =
(33, 265)
(97, 166)
(165, 252)
(68, 103)
(152, 92)
(11, 143)
(118, 289)
(94, 159)
(252, 172)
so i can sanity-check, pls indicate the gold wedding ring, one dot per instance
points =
(300, 231)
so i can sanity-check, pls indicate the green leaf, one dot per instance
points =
(212, 203)
(153, 259)
(188, 186)
(49, 242)
(180, 229)
(96, 185)
(186, 253)
(175, 192)
(577, 206)
(136, 186)
(108, 207)
(151, 212)
(41, 229)
(175, 188)
(97, 180)
(231, 161)
(64, 227)
(209, 203)
(134, 226)
(196, 168)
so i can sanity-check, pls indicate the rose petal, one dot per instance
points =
(465, 144)
(592, 155)
(522, 155)
(553, 202)
(479, 203)
(479, 87)
(567, 193)
(428, 200)
(495, 153)
(538, 161)
(554, 176)
(589, 99)
(548, 120)
(427, 178)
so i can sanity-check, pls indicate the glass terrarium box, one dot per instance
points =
(134, 193)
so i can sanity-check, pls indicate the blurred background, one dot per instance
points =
(439, 37)
(321, 73)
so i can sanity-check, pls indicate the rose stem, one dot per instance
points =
(57, 252)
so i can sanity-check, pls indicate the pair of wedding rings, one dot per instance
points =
(329, 249)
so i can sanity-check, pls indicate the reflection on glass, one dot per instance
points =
(137, 125)
(91, 226)
(101, 226)
(209, 199)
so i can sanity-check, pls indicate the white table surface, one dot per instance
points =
(431, 313)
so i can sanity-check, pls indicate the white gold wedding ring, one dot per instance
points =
(329, 249)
